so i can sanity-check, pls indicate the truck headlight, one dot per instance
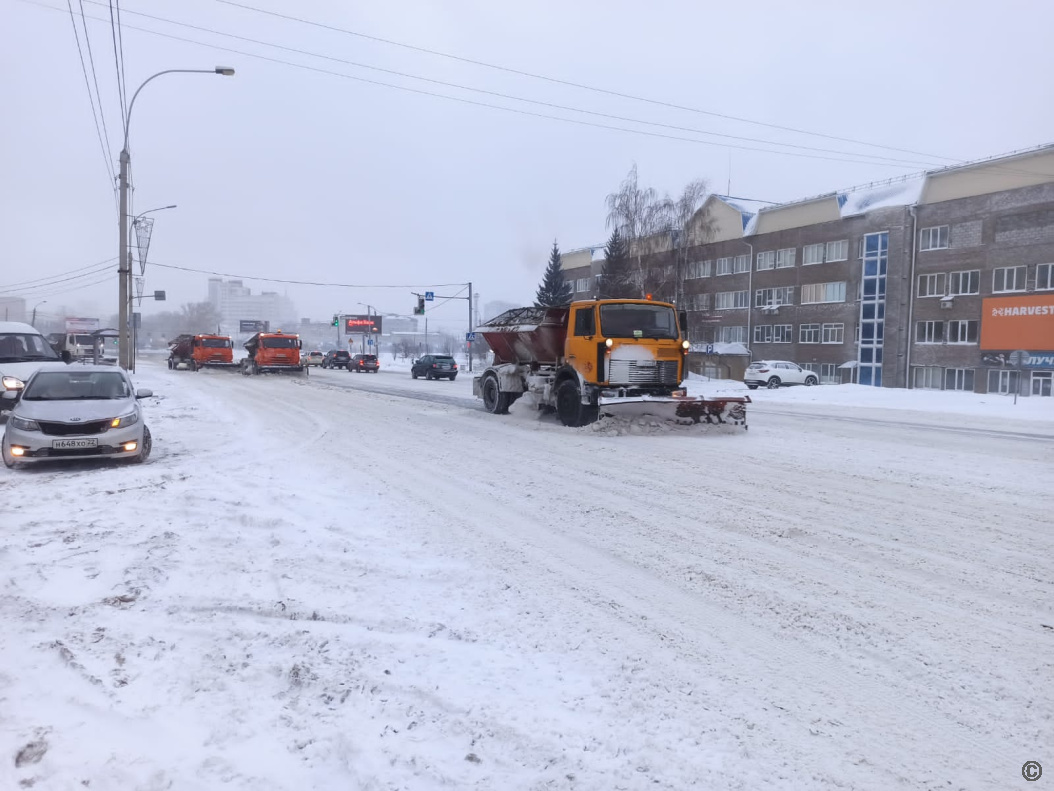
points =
(13, 383)
(609, 343)
(24, 425)
(685, 345)
(124, 420)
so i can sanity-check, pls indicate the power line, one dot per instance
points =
(575, 121)
(30, 289)
(120, 41)
(95, 117)
(68, 289)
(95, 79)
(59, 274)
(571, 84)
(304, 282)
(117, 64)
(512, 97)
(457, 295)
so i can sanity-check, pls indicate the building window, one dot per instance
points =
(771, 297)
(699, 302)
(724, 266)
(1045, 277)
(968, 282)
(931, 285)
(1009, 278)
(698, 269)
(962, 331)
(935, 238)
(958, 379)
(833, 333)
(812, 254)
(823, 292)
(785, 258)
(829, 374)
(763, 333)
(741, 263)
(809, 333)
(927, 378)
(732, 335)
(728, 300)
(1002, 381)
(783, 333)
(929, 332)
(766, 260)
(582, 284)
(838, 251)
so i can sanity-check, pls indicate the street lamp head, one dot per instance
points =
(173, 206)
(226, 71)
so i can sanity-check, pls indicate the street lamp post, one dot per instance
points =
(34, 321)
(375, 313)
(124, 266)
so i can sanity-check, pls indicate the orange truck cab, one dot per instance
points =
(200, 351)
(273, 352)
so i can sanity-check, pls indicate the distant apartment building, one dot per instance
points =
(930, 281)
(236, 303)
(12, 309)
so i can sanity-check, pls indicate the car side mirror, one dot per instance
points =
(11, 395)
(144, 394)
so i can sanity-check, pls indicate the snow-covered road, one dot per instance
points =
(364, 581)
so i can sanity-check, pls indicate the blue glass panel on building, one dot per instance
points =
(867, 354)
(865, 374)
(867, 310)
(874, 263)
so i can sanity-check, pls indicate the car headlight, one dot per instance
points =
(24, 425)
(13, 383)
(124, 420)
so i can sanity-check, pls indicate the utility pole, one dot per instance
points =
(123, 264)
(470, 326)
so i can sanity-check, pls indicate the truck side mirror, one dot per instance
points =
(11, 395)
(66, 356)
(683, 318)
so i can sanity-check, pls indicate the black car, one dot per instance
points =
(336, 359)
(434, 366)
(364, 362)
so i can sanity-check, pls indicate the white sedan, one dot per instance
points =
(777, 373)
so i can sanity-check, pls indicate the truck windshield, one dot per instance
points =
(638, 321)
(216, 343)
(17, 347)
(279, 343)
(84, 340)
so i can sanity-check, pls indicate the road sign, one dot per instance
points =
(369, 341)
(430, 296)
(1018, 358)
(470, 336)
(709, 348)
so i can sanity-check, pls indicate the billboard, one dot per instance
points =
(75, 325)
(252, 325)
(362, 325)
(1018, 323)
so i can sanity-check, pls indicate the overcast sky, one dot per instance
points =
(284, 172)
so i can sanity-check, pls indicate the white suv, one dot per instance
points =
(774, 373)
(22, 351)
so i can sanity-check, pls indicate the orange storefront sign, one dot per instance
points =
(1009, 323)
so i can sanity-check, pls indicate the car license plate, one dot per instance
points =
(74, 444)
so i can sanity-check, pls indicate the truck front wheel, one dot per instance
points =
(569, 406)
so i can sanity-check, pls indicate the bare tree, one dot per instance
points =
(640, 216)
(200, 317)
(691, 228)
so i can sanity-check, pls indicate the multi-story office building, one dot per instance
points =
(235, 303)
(929, 281)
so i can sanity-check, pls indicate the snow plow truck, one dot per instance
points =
(194, 352)
(273, 352)
(615, 357)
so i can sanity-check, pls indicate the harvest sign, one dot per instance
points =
(1018, 323)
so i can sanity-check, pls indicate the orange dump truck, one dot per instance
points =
(273, 352)
(194, 352)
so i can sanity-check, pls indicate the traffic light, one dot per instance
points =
(336, 321)
(420, 309)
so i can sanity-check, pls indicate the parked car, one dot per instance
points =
(367, 363)
(22, 351)
(336, 359)
(777, 373)
(434, 366)
(76, 411)
(313, 358)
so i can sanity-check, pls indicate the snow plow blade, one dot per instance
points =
(679, 409)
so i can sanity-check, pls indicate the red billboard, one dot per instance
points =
(1009, 323)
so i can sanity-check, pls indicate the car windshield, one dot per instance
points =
(279, 343)
(638, 321)
(76, 386)
(19, 347)
(440, 359)
(216, 343)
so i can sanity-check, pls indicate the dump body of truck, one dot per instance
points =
(597, 357)
(194, 352)
(273, 352)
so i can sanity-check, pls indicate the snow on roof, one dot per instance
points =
(599, 253)
(905, 192)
